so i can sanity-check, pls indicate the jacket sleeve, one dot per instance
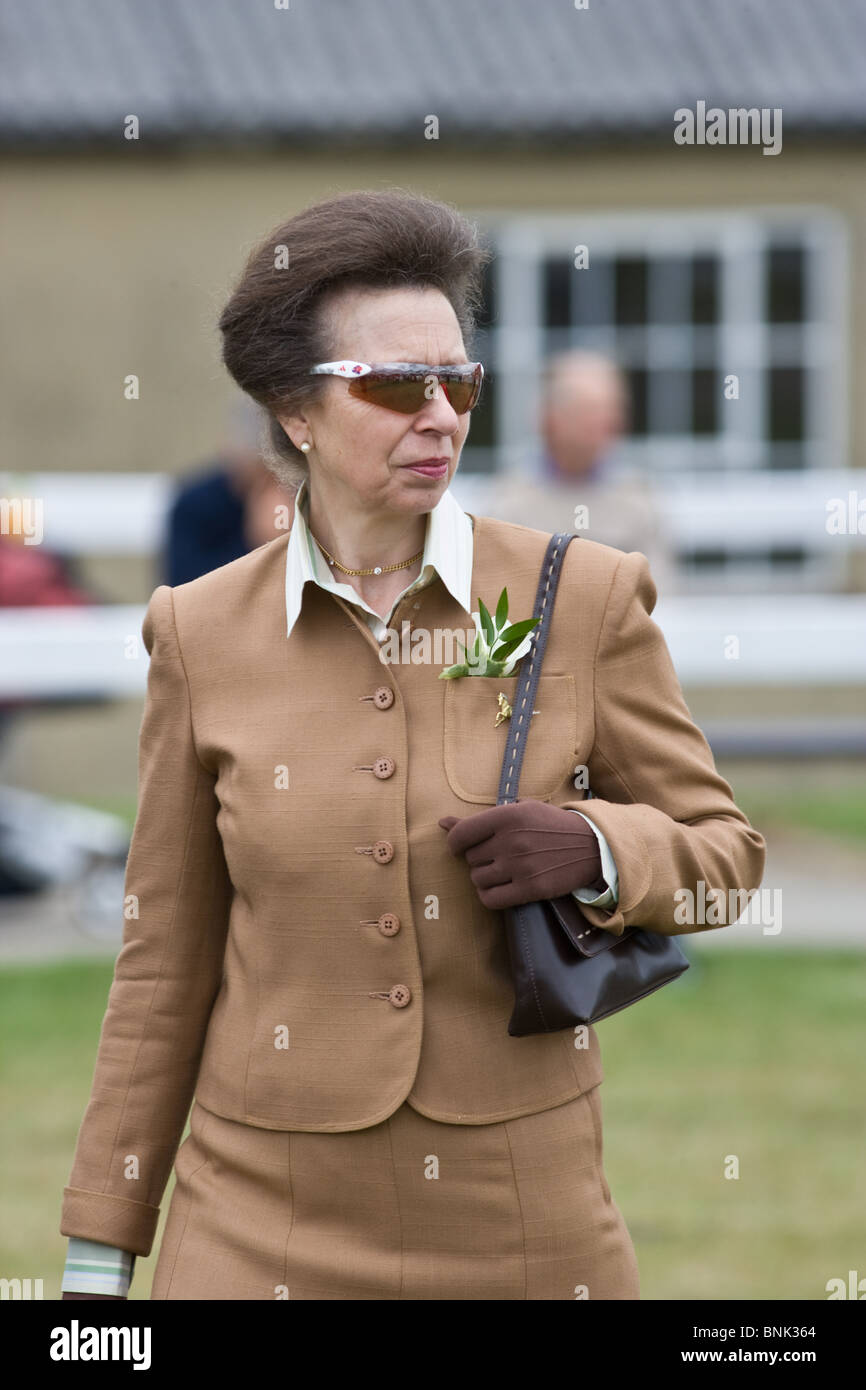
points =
(177, 897)
(668, 816)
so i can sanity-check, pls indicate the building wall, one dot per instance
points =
(122, 265)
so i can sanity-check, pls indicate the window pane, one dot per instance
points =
(487, 312)
(705, 289)
(630, 291)
(637, 383)
(793, 555)
(786, 387)
(671, 290)
(591, 294)
(785, 290)
(705, 559)
(785, 457)
(557, 293)
(670, 403)
(705, 389)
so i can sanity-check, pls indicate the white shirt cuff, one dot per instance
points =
(609, 898)
(92, 1267)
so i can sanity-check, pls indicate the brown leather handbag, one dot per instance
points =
(565, 971)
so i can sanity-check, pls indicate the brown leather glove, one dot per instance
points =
(524, 851)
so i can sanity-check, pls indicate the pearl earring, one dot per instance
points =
(305, 447)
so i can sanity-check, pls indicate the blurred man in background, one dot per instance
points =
(577, 483)
(584, 412)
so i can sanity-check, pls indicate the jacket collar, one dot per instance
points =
(448, 552)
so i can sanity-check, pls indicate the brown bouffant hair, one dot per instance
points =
(274, 327)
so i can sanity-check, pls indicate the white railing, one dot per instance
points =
(734, 639)
(741, 640)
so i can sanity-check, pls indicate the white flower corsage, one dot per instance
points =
(498, 644)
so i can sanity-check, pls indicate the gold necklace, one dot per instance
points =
(377, 569)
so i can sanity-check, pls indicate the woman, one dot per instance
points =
(314, 947)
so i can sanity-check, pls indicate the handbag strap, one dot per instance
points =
(530, 667)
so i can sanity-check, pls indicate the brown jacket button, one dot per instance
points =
(389, 924)
(384, 767)
(383, 697)
(383, 851)
(399, 996)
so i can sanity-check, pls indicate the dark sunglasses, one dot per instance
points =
(406, 386)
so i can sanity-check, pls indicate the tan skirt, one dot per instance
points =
(408, 1209)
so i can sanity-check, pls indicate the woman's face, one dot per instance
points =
(360, 450)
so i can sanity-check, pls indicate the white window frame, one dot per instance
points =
(738, 238)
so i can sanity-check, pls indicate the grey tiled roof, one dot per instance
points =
(373, 69)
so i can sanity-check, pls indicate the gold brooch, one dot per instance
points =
(505, 710)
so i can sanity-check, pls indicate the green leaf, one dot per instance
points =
(520, 629)
(510, 642)
(504, 650)
(486, 622)
(502, 609)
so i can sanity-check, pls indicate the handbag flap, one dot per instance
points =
(586, 939)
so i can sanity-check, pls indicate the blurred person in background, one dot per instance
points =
(577, 483)
(31, 576)
(584, 413)
(230, 508)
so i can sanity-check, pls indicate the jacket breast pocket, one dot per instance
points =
(474, 745)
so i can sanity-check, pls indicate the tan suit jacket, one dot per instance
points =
(301, 951)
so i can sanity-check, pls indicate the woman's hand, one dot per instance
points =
(524, 851)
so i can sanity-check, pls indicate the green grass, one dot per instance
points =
(840, 813)
(755, 1054)
(123, 806)
(825, 796)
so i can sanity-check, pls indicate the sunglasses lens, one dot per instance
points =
(405, 394)
(409, 393)
(462, 394)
